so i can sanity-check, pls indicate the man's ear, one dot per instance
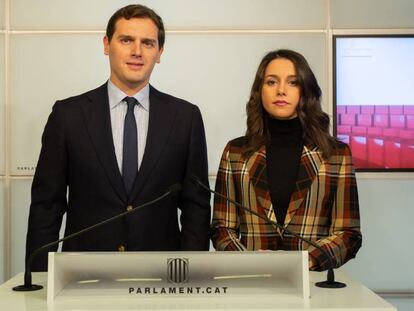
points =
(159, 55)
(106, 45)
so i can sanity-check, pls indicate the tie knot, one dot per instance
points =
(131, 102)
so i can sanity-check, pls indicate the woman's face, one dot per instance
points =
(280, 90)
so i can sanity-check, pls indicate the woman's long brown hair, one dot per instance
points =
(314, 121)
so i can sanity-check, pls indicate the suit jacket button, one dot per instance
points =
(130, 208)
(121, 248)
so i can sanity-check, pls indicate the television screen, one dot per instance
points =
(374, 100)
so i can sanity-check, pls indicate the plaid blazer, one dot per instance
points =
(323, 207)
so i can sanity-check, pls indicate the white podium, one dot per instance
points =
(175, 274)
(186, 281)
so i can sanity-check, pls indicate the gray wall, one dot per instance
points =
(51, 49)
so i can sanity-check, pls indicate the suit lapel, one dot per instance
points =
(256, 166)
(308, 168)
(161, 119)
(309, 165)
(98, 123)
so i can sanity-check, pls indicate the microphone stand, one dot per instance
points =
(28, 286)
(330, 281)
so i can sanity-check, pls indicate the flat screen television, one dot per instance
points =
(374, 99)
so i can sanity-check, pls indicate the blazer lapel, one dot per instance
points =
(98, 123)
(256, 166)
(161, 119)
(310, 162)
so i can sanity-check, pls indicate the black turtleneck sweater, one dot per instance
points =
(284, 151)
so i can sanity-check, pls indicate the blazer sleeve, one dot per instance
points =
(195, 201)
(225, 224)
(345, 237)
(48, 201)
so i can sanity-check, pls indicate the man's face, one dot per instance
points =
(133, 52)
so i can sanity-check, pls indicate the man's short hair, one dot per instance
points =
(136, 11)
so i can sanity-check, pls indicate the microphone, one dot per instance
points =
(28, 286)
(330, 281)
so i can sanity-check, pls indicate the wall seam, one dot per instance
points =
(329, 67)
(7, 190)
(395, 294)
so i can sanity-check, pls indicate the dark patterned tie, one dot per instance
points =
(130, 148)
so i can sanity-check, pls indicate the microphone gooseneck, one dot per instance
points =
(174, 188)
(28, 286)
(329, 283)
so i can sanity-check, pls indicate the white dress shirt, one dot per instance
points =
(118, 109)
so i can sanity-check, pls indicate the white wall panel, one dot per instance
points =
(372, 13)
(20, 201)
(177, 14)
(2, 17)
(20, 206)
(2, 107)
(216, 71)
(45, 68)
(385, 261)
(2, 223)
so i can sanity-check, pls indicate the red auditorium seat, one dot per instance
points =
(381, 120)
(410, 121)
(375, 151)
(407, 135)
(367, 109)
(392, 154)
(396, 110)
(347, 119)
(361, 130)
(374, 131)
(344, 129)
(407, 148)
(353, 109)
(340, 110)
(397, 121)
(364, 120)
(391, 133)
(358, 146)
(407, 156)
(409, 110)
(381, 110)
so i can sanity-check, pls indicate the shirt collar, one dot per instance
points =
(116, 96)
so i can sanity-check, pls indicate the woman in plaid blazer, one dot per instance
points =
(323, 205)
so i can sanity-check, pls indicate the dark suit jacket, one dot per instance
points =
(323, 207)
(78, 154)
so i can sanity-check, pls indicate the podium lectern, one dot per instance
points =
(186, 281)
(175, 274)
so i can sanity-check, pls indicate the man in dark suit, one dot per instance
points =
(119, 146)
